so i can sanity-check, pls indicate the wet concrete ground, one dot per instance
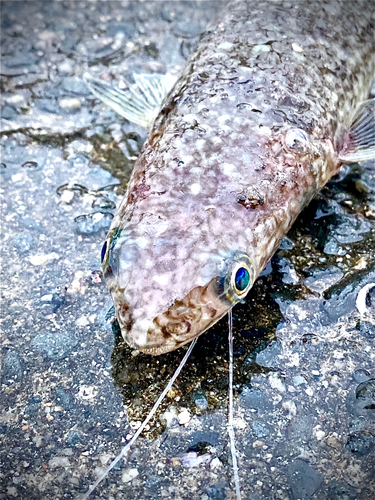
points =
(72, 391)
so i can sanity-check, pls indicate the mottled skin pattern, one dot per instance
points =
(249, 134)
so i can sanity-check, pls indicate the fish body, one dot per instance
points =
(250, 132)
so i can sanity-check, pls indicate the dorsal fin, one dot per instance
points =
(360, 140)
(139, 102)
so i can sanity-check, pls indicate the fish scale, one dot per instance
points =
(251, 130)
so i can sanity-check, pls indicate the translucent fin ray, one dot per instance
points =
(128, 445)
(139, 102)
(360, 141)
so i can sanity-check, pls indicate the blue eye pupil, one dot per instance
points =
(104, 249)
(242, 279)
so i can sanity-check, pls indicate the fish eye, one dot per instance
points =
(237, 277)
(297, 141)
(104, 251)
(241, 280)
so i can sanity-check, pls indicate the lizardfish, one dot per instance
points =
(264, 113)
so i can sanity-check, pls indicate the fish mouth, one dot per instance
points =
(182, 322)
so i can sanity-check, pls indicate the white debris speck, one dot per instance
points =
(195, 188)
(318, 433)
(129, 474)
(104, 459)
(58, 462)
(184, 417)
(225, 46)
(135, 424)
(276, 383)
(97, 217)
(296, 48)
(309, 391)
(239, 423)
(258, 444)
(142, 242)
(46, 35)
(192, 459)
(215, 464)
(261, 48)
(47, 298)
(223, 118)
(87, 392)
(227, 168)
(15, 99)
(169, 415)
(162, 279)
(70, 103)
(82, 321)
(39, 260)
(294, 359)
(67, 196)
(38, 440)
(18, 177)
(290, 408)
(298, 380)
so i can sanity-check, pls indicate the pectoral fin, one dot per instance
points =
(360, 140)
(139, 102)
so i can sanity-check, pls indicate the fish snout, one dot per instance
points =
(183, 321)
(154, 322)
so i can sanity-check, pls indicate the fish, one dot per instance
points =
(267, 109)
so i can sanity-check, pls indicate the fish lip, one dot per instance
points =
(172, 346)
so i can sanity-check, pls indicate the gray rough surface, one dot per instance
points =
(71, 390)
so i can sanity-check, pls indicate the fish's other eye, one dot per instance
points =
(241, 279)
(104, 251)
(297, 141)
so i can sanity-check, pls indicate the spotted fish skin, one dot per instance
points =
(245, 139)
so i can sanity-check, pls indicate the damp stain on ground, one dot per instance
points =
(72, 391)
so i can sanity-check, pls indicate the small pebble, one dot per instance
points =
(70, 103)
(8, 113)
(216, 492)
(23, 242)
(184, 417)
(360, 443)
(58, 462)
(129, 474)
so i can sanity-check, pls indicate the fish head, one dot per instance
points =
(166, 294)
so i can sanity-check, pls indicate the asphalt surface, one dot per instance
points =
(72, 391)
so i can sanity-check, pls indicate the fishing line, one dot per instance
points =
(128, 445)
(230, 410)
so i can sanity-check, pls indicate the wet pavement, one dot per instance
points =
(72, 391)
